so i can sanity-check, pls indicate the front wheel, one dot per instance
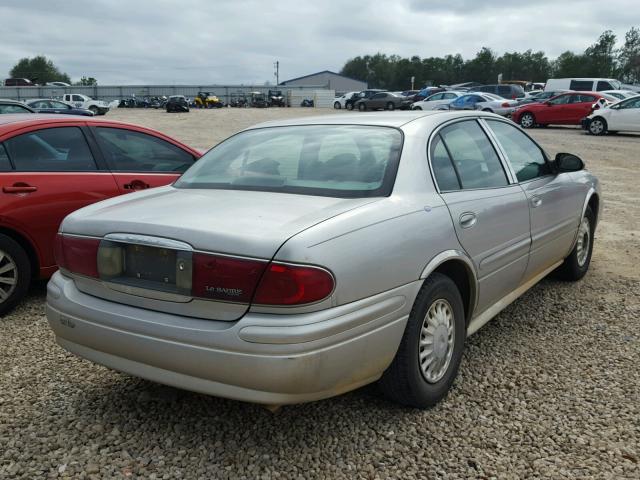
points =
(337, 105)
(349, 106)
(15, 273)
(575, 266)
(417, 108)
(598, 126)
(94, 109)
(362, 107)
(527, 120)
(390, 106)
(430, 351)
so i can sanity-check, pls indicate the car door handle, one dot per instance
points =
(17, 188)
(468, 219)
(136, 185)
(536, 201)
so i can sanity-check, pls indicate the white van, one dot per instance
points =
(583, 84)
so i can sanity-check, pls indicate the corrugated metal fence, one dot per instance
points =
(224, 92)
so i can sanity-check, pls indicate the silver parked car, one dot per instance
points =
(301, 259)
(486, 102)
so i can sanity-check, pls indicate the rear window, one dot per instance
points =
(328, 160)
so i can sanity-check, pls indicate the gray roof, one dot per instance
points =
(387, 119)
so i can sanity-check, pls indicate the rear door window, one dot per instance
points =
(443, 169)
(63, 149)
(473, 155)
(129, 151)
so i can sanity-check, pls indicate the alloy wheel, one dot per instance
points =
(8, 276)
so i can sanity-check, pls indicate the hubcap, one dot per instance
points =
(8, 276)
(596, 127)
(527, 120)
(584, 238)
(437, 337)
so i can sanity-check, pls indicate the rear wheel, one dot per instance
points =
(598, 126)
(94, 109)
(390, 106)
(575, 266)
(430, 351)
(527, 120)
(362, 107)
(417, 108)
(337, 105)
(349, 106)
(15, 273)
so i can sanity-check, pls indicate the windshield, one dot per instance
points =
(328, 160)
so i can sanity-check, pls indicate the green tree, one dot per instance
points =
(482, 68)
(601, 57)
(87, 82)
(38, 69)
(629, 57)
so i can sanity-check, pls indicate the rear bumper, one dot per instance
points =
(584, 123)
(262, 358)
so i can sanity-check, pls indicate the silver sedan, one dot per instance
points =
(301, 259)
(486, 102)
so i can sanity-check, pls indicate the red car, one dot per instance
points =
(51, 165)
(565, 109)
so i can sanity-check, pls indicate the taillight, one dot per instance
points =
(505, 105)
(225, 278)
(284, 284)
(77, 254)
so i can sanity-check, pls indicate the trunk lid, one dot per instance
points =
(230, 222)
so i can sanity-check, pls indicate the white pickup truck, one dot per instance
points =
(98, 107)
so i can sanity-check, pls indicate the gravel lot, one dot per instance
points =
(548, 389)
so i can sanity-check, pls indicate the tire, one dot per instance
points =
(362, 107)
(391, 106)
(576, 265)
(527, 120)
(337, 105)
(404, 381)
(17, 270)
(487, 110)
(598, 126)
(94, 109)
(418, 108)
(349, 106)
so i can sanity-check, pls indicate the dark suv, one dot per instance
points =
(350, 102)
(505, 91)
(18, 82)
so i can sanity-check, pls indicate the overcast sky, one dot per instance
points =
(237, 41)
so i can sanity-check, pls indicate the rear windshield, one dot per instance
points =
(327, 160)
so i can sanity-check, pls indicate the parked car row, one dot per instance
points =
(42, 105)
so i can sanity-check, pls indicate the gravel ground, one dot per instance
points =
(548, 389)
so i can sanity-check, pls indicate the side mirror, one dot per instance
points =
(595, 106)
(567, 162)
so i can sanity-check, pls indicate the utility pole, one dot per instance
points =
(277, 72)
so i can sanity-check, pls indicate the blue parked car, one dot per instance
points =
(46, 105)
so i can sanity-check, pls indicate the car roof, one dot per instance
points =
(384, 119)
(10, 102)
(15, 121)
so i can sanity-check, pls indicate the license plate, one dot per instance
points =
(150, 264)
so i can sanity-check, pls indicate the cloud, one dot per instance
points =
(237, 41)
